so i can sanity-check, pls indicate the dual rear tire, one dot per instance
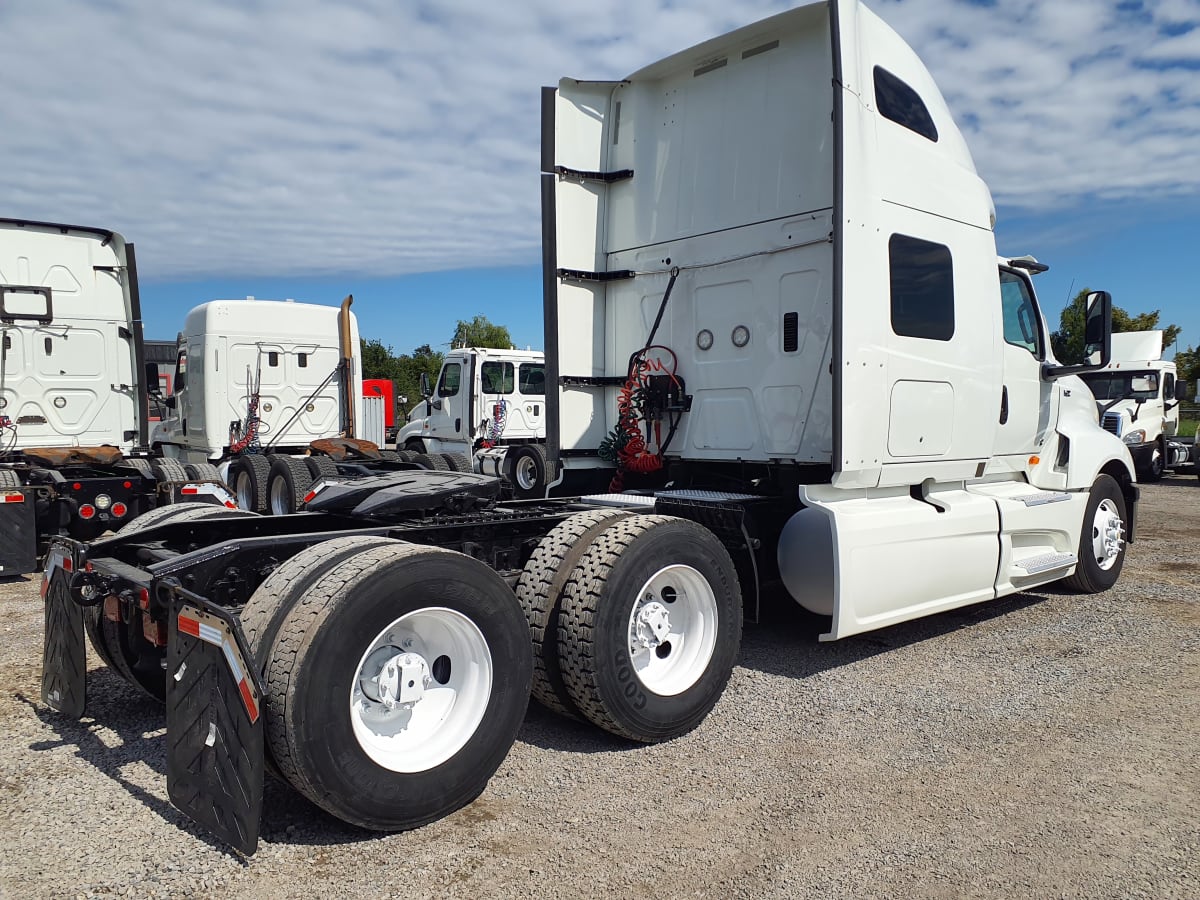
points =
(397, 677)
(635, 622)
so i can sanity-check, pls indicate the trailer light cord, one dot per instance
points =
(496, 425)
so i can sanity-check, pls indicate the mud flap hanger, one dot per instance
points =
(215, 744)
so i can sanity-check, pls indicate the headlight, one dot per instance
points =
(1135, 437)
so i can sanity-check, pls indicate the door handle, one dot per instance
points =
(1004, 405)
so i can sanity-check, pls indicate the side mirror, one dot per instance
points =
(169, 402)
(152, 377)
(437, 404)
(1097, 338)
(1097, 331)
(426, 393)
(1180, 391)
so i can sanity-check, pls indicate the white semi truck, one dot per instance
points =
(775, 317)
(268, 394)
(1138, 396)
(489, 405)
(74, 457)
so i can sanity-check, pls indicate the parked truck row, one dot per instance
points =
(781, 351)
(74, 451)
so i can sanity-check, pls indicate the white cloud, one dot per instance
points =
(232, 137)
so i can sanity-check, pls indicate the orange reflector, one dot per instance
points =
(1034, 460)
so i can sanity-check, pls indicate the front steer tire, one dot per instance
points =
(1099, 566)
(650, 626)
(405, 767)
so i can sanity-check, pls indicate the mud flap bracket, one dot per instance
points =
(215, 749)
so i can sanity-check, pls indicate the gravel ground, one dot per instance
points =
(1041, 745)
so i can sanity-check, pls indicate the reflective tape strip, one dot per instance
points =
(213, 635)
(12, 497)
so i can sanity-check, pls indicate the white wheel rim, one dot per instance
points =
(421, 689)
(673, 630)
(526, 473)
(1108, 534)
(245, 497)
(279, 498)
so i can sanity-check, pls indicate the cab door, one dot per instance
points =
(446, 421)
(1025, 407)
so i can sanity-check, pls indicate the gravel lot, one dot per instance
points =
(1044, 744)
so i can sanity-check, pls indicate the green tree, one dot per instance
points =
(1067, 342)
(479, 332)
(378, 361)
(1187, 365)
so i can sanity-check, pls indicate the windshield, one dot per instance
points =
(1118, 386)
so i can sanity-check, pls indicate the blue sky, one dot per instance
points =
(390, 150)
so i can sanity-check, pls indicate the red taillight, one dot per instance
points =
(77, 486)
(87, 511)
(119, 510)
(128, 485)
(143, 598)
(67, 564)
(309, 496)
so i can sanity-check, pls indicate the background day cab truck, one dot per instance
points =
(489, 405)
(270, 393)
(1138, 397)
(73, 398)
(774, 311)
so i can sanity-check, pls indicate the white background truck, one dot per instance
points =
(774, 312)
(72, 390)
(1138, 396)
(268, 394)
(489, 405)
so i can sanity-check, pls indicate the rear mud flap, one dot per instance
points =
(215, 754)
(64, 668)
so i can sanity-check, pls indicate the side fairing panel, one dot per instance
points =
(904, 399)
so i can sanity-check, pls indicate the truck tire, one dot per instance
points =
(650, 626)
(166, 469)
(1156, 468)
(1102, 539)
(414, 445)
(432, 461)
(527, 471)
(414, 749)
(407, 455)
(141, 466)
(287, 485)
(321, 467)
(389, 455)
(9, 479)
(250, 475)
(539, 591)
(458, 462)
(120, 645)
(204, 472)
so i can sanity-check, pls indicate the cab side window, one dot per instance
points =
(1020, 315)
(1168, 386)
(496, 378)
(451, 378)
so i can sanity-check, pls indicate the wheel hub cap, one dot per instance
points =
(401, 681)
(1108, 535)
(652, 624)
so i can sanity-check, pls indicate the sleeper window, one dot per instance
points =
(900, 103)
(922, 285)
